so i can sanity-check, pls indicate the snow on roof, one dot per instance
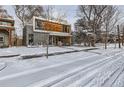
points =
(60, 34)
(89, 33)
(54, 33)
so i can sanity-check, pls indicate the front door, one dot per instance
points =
(30, 39)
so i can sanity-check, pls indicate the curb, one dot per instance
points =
(6, 56)
(52, 54)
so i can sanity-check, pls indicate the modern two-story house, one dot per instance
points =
(6, 31)
(42, 30)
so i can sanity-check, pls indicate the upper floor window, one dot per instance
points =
(66, 28)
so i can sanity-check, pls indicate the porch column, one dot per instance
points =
(52, 40)
(10, 38)
(70, 40)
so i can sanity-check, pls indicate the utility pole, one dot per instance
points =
(118, 37)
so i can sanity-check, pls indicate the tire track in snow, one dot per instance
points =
(119, 81)
(71, 80)
(58, 78)
(109, 82)
(107, 77)
(85, 77)
(75, 77)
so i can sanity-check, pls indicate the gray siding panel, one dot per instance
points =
(38, 38)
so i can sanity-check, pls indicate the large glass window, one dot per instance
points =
(64, 28)
(47, 25)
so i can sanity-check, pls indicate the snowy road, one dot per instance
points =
(94, 68)
(84, 75)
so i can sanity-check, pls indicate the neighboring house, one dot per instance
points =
(6, 31)
(42, 29)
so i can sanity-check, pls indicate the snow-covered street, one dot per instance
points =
(94, 68)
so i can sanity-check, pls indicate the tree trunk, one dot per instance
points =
(123, 38)
(118, 37)
(106, 37)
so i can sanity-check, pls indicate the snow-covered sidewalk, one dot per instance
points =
(26, 52)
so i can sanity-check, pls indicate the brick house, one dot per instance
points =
(6, 31)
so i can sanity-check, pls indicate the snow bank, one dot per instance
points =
(24, 51)
(8, 53)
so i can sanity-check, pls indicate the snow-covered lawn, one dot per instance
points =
(38, 50)
(31, 50)
(98, 67)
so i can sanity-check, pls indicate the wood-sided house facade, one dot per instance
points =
(6, 32)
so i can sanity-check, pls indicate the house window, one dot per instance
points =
(1, 39)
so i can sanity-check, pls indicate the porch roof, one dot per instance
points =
(59, 34)
(7, 20)
(54, 33)
(6, 27)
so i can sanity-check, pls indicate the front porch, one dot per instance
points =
(5, 37)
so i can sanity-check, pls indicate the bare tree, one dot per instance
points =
(92, 15)
(48, 12)
(51, 13)
(98, 18)
(111, 17)
(26, 12)
(119, 39)
(123, 36)
(61, 15)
